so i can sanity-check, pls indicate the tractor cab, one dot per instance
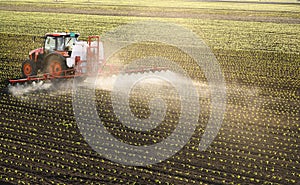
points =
(61, 43)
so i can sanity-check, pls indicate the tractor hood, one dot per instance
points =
(37, 51)
(33, 55)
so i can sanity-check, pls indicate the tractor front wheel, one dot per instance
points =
(29, 68)
(56, 66)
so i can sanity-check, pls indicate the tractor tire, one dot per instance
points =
(55, 65)
(29, 68)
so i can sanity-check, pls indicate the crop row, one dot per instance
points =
(224, 140)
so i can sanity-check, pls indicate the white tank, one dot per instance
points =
(79, 49)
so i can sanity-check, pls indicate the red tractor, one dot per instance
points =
(51, 58)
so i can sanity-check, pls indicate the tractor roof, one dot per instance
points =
(61, 34)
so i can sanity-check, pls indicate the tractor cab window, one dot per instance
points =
(69, 43)
(50, 43)
(60, 43)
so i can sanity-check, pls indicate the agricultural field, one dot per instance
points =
(256, 45)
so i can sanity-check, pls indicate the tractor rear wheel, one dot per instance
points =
(29, 68)
(55, 65)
